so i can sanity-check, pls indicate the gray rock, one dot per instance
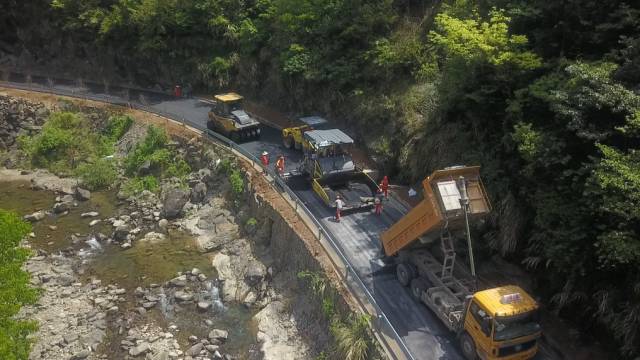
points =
(142, 348)
(89, 214)
(126, 245)
(163, 224)
(121, 233)
(149, 304)
(69, 338)
(255, 273)
(218, 334)
(174, 201)
(60, 207)
(145, 168)
(212, 348)
(94, 222)
(82, 354)
(198, 193)
(67, 199)
(180, 281)
(82, 194)
(183, 295)
(36, 216)
(195, 349)
(204, 305)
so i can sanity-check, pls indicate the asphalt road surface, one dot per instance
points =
(357, 234)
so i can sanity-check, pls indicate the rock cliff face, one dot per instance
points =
(19, 116)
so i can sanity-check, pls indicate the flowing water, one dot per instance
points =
(144, 264)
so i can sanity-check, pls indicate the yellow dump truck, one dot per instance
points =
(228, 118)
(497, 323)
(293, 137)
(328, 164)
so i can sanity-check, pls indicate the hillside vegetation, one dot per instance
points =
(542, 94)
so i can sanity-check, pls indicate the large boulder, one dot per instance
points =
(174, 200)
(198, 193)
(60, 207)
(121, 233)
(255, 273)
(82, 194)
(36, 216)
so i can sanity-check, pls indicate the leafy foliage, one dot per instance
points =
(98, 175)
(14, 288)
(137, 185)
(155, 155)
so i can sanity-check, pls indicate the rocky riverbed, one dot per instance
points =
(167, 275)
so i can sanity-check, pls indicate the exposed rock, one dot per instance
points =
(219, 335)
(36, 216)
(89, 214)
(278, 335)
(255, 273)
(153, 237)
(198, 193)
(82, 354)
(60, 207)
(121, 232)
(182, 295)
(195, 349)
(82, 194)
(94, 222)
(174, 201)
(141, 349)
(163, 224)
(204, 305)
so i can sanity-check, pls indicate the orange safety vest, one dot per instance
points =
(280, 163)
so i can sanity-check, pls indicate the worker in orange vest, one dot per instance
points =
(280, 165)
(378, 202)
(384, 185)
(264, 159)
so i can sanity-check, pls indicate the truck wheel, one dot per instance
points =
(405, 273)
(418, 286)
(468, 347)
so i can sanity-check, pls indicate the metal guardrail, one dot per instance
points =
(381, 322)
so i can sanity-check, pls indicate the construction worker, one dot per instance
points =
(280, 165)
(264, 159)
(378, 202)
(339, 205)
(384, 185)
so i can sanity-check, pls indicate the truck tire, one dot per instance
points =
(418, 286)
(405, 273)
(468, 347)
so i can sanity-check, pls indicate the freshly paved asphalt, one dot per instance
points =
(357, 234)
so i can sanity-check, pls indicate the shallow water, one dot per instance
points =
(19, 197)
(144, 264)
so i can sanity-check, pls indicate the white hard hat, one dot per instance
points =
(264, 153)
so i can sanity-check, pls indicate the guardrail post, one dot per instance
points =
(319, 234)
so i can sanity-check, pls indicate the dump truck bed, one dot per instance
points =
(440, 207)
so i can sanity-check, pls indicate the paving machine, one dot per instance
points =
(292, 137)
(496, 323)
(228, 118)
(328, 165)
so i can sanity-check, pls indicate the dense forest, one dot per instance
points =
(543, 94)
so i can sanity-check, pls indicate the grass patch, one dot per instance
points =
(98, 175)
(137, 185)
(234, 176)
(14, 288)
(351, 332)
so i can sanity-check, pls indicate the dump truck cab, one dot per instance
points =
(228, 117)
(293, 137)
(502, 323)
(328, 164)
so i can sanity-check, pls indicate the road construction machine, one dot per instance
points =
(292, 137)
(495, 323)
(329, 167)
(228, 118)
